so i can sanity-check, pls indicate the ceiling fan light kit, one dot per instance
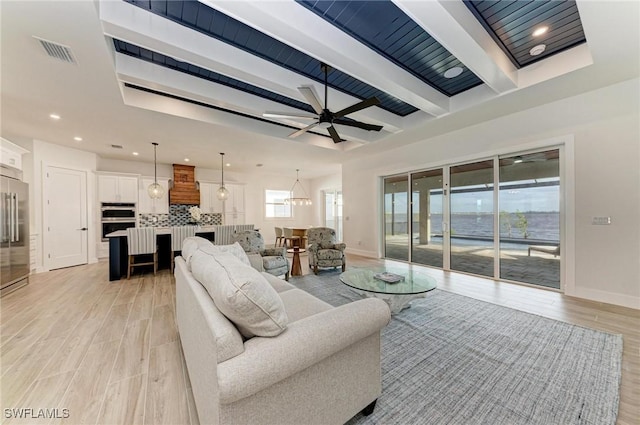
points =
(326, 118)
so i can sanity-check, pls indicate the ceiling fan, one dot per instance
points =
(326, 118)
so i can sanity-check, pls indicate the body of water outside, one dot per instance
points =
(541, 226)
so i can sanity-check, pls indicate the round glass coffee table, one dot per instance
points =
(374, 282)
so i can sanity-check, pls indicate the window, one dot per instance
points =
(274, 204)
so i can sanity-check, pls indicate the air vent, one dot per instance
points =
(116, 146)
(57, 51)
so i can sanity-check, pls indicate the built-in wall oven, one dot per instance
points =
(116, 216)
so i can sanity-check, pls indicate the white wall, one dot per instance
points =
(605, 125)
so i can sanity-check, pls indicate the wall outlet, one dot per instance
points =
(601, 221)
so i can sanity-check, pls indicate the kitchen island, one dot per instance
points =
(118, 250)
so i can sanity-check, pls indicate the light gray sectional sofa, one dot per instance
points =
(265, 352)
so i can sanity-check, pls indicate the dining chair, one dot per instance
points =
(178, 235)
(289, 239)
(141, 241)
(279, 236)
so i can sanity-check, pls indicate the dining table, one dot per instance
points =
(302, 232)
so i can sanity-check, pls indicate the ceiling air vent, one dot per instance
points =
(116, 146)
(57, 51)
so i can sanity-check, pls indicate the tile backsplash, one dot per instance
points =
(178, 216)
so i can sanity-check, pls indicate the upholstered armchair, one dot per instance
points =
(323, 249)
(271, 260)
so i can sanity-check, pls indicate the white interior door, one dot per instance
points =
(65, 217)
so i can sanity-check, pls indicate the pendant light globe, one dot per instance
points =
(155, 190)
(222, 194)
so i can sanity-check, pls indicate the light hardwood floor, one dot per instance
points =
(110, 352)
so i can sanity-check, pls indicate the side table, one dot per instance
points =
(296, 268)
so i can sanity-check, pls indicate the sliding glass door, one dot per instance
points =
(471, 218)
(498, 217)
(530, 218)
(396, 211)
(426, 213)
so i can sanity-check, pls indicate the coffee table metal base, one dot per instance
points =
(396, 302)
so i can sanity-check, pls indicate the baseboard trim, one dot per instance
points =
(606, 297)
(361, 252)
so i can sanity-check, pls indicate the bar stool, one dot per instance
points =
(141, 241)
(178, 235)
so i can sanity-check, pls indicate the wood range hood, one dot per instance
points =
(184, 190)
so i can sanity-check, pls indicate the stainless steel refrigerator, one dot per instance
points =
(14, 230)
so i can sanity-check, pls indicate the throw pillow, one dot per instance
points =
(196, 243)
(191, 245)
(241, 293)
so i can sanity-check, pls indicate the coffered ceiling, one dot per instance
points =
(198, 76)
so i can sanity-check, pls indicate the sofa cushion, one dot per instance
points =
(300, 304)
(280, 285)
(242, 294)
(197, 243)
(229, 342)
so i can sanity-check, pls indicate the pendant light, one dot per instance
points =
(155, 190)
(292, 199)
(222, 193)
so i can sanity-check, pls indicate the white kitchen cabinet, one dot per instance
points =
(209, 202)
(234, 206)
(235, 203)
(11, 154)
(117, 188)
(146, 205)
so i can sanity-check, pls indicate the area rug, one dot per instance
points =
(450, 359)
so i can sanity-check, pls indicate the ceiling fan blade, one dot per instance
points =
(311, 97)
(334, 134)
(303, 130)
(358, 124)
(288, 115)
(372, 101)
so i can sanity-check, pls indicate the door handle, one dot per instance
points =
(83, 229)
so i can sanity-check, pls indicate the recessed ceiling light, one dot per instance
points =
(453, 72)
(539, 31)
(54, 116)
(135, 153)
(227, 164)
(536, 50)
(77, 139)
(186, 160)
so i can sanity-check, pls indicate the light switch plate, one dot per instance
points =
(601, 221)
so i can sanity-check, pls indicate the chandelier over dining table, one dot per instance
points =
(297, 200)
